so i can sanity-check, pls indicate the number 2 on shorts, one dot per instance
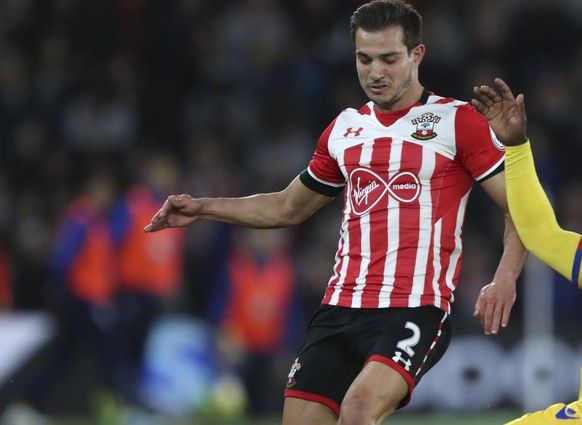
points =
(407, 344)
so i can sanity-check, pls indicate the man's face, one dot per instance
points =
(385, 69)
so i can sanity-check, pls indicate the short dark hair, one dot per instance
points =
(380, 14)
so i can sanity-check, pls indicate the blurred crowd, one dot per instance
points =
(108, 106)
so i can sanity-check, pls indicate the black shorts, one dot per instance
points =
(340, 341)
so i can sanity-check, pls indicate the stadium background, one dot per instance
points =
(237, 92)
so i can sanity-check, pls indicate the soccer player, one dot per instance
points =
(406, 162)
(532, 212)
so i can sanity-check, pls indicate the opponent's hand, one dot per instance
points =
(505, 113)
(494, 305)
(177, 211)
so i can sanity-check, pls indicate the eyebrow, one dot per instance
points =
(382, 55)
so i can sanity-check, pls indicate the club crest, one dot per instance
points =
(425, 126)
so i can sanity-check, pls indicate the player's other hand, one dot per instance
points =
(505, 113)
(494, 305)
(177, 211)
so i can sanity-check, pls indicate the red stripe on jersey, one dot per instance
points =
(411, 160)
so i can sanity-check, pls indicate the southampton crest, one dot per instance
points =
(425, 126)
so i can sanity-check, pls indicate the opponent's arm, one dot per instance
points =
(288, 207)
(529, 206)
(535, 219)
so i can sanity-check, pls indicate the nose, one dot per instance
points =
(376, 70)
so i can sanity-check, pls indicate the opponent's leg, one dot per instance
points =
(302, 412)
(559, 413)
(374, 394)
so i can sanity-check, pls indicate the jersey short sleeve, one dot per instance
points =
(480, 152)
(323, 175)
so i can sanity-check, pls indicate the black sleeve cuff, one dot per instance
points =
(321, 188)
(498, 170)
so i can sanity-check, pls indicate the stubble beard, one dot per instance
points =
(388, 104)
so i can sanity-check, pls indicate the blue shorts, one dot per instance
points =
(340, 341)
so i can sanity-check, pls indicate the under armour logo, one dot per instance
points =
(350, 131)
(398, 358)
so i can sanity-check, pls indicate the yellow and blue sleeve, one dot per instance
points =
(534, 217)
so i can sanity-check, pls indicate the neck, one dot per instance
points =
(411, 94)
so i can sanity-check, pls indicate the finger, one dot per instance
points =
(506, 314)
(488, 318)
(481, 108)
(154, 227)
(504, 89)
(159, 217)
(477, 311)
(487, 92)
(158, 222)
(520, 101)
(496, 318)
(487, 96)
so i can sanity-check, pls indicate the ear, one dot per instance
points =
(417, 54)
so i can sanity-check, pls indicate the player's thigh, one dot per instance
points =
(375, 393)
(297, 411)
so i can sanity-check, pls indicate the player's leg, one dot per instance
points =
(376, 393)
(403, 344)
(302, 412)
(555, 414)
(325, 367)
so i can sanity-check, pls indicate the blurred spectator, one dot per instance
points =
(82, 295)
(149, 269)
(253, 305)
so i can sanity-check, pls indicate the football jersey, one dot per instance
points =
(406, 177)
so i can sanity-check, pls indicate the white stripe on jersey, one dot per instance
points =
(365, 246)
(341, 267)
(456, 254)
(424, 232)
(436, 261)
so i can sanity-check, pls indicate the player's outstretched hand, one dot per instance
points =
(505, 113)
(494, 306)
(177, 211)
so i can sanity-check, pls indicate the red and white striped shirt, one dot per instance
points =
(407, 178)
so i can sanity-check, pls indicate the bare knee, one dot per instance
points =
(374, 394)
(355, 412)
(361, 409)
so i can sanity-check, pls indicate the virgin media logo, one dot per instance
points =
(404, 186)
(367, 188)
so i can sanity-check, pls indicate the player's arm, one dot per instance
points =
(531, 210)
(288, 207)
(496, 300)
(535, 218)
